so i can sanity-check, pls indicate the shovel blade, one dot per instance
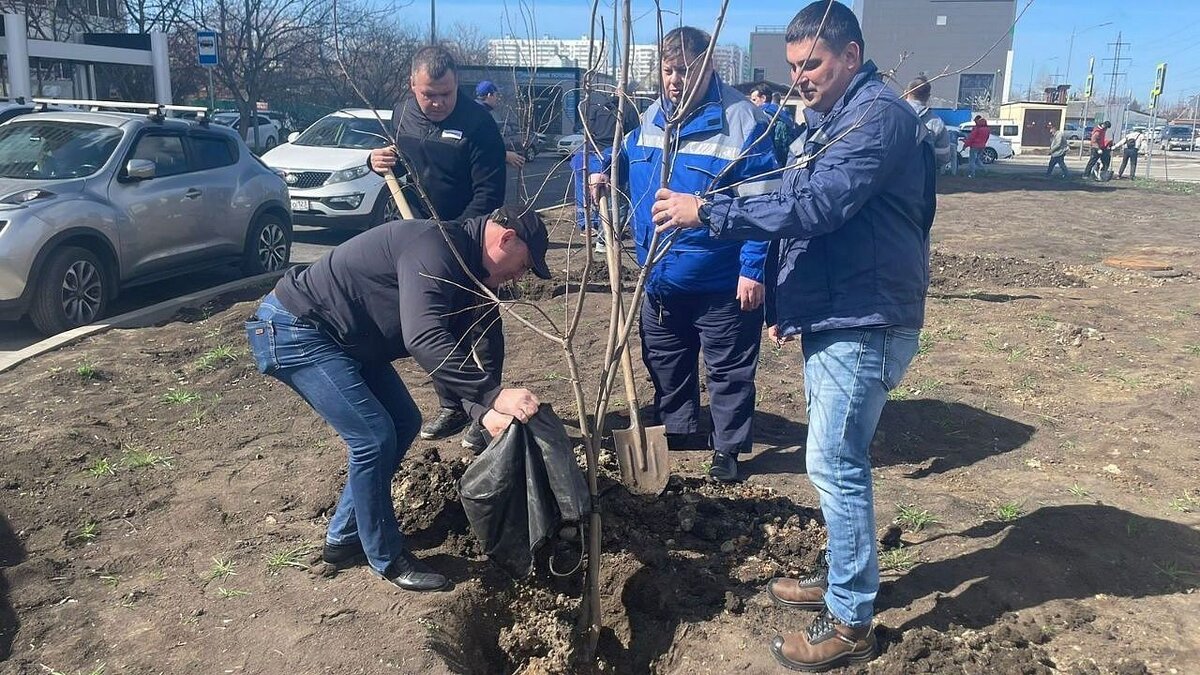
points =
(643, 458)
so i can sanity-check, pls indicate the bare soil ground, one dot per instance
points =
(161, 503)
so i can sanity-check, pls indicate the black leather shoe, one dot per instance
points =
(448, 422)
(342, 556)
(410, 574)
(724, 467)
(476, 438)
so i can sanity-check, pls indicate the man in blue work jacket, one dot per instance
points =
(704, 295)
(852, 223)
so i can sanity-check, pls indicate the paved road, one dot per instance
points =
(1174, 165)
(547, 178)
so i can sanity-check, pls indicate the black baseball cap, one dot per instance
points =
(530, 227)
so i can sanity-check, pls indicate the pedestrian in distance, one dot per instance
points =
(1058, 150)
(704, 296)
(917, 94)
(332, 330)
(868, 189)
(457, 155)
(1101, 155)
(783, 127)
(975, 142)
(1131, 147)
(487, 94)
(601, 117)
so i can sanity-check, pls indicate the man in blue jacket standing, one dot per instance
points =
(852, 224)
(703, 295)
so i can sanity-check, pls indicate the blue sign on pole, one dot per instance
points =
(206, 48)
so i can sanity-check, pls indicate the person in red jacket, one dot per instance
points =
(975, 142)
(1101, 148)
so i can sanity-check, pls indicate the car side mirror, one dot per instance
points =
(139, 169)
(293, 136)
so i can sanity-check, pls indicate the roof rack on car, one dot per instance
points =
(155, 111)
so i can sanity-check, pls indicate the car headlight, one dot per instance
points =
(352, 201)
(26, 196)
(353, 173)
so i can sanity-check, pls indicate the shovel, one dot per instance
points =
(641, 451)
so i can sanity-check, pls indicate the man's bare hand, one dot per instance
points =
(520, 403)
(773, 333)
(495, 422)
(597, 186)
(750, 293)
(383, 159)
(514, 160)
(675, 209)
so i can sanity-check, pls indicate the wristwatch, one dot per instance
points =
(704, 212)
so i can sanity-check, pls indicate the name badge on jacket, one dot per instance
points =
(452, 134)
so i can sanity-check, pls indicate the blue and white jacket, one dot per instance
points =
(724, 129)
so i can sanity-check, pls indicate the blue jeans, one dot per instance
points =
(366, 403)
(847, 376)
(594, 165)
(976, 161)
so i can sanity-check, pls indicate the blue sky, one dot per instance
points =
(1157, 30)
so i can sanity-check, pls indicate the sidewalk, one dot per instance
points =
(1176, 165)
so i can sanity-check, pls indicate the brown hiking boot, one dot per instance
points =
(825, 645)
(805, 593)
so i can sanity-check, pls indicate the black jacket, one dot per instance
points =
(602, 120)
(459, 161)
(396, 291)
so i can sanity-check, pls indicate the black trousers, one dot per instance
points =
(675, 331)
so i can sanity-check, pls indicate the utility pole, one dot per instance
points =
(1117, 73)
(433, 22)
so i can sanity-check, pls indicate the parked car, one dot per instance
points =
(997, 148)
(567, 145)
(528, 144)
(263, 139)
(325, 168)
(1005, 129)
(1177, 137)
(92, 203)
(1073, 132)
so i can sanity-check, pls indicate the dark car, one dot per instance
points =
(1177, 137)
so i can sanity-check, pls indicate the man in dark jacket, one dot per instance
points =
(332, 330)
(487, 94)
(455, 149)
(852, 266)
(598, 138)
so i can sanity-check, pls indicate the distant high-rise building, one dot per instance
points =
(932, 37)
(768, 55)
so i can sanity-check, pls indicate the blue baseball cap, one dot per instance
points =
(486, 87)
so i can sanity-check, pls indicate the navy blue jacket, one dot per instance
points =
(725, 129)
(853, 220)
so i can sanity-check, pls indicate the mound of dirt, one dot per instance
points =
(951, 272)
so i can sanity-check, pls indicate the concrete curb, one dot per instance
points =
(138, 318)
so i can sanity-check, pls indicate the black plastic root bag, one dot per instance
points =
(522, 489)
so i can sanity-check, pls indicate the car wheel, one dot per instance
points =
(385, 210)
(72, 291)
(989, 155)
(270, 143)
(269, 246)
(530, 154)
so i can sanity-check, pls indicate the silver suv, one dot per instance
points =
(94, 202)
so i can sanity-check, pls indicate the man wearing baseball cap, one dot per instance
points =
(487, 94)
(332, 330)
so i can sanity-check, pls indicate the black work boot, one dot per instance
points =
(448, 422)
(342, 556)
(410, 574)
(825, 645)
(803, 593)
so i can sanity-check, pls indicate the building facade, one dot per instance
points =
(935, 37)
(768, 55)
(728, 60)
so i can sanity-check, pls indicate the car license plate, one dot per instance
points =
(300, 205)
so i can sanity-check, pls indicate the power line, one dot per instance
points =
(1117, 73)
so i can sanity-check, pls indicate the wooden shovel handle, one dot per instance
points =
(398, 196)
(613, 257)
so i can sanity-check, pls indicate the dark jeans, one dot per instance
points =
(366, 403)
(1129, 157)
(675, 330)
(1059, 161)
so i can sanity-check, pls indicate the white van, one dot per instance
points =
(1009, 130)
(326, 171)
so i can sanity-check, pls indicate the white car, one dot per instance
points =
(996, 148)
(267, 133)
(567, 145)
(326, 171)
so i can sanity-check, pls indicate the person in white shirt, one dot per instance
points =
(1131, 147)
